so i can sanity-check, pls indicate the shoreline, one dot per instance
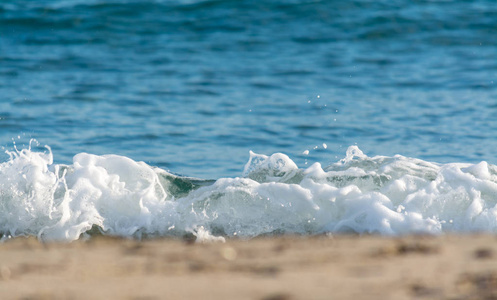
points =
(269, 268)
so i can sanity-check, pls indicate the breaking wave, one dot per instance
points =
(115, 195)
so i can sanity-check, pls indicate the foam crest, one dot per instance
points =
(28, 192)
(277, 167)
(115, 195)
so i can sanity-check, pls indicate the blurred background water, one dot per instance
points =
(192, 86)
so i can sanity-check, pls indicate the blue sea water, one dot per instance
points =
(190, 87)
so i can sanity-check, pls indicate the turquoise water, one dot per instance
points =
(191, 87)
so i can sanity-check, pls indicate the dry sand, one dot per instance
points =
(324, 267)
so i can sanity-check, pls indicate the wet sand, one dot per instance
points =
(277, 268)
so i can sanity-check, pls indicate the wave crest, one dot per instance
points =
(384, 195)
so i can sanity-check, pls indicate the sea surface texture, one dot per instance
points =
(246, 118)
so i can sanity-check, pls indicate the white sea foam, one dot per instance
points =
(385, 195)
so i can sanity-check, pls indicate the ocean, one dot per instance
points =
(234, 118)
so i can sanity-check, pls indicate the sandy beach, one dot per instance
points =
(323, 267)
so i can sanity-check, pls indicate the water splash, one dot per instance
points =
(115, 195)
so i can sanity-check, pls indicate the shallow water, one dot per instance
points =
(192, 86)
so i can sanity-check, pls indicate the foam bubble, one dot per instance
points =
(118, 196)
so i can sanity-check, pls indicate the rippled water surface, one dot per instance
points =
(192, 86)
